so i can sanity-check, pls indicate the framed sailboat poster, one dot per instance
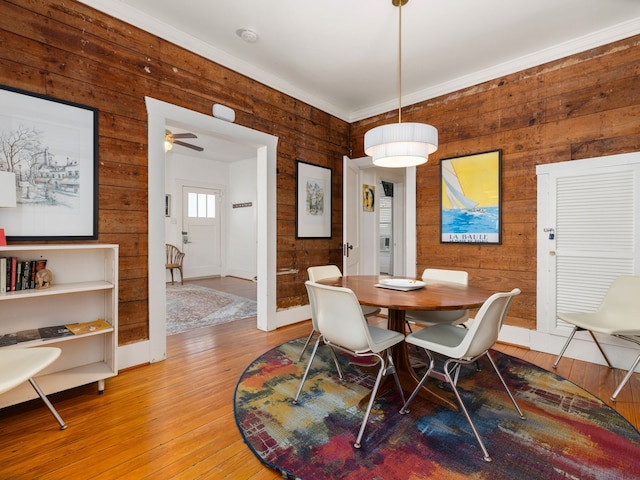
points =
(470, 198)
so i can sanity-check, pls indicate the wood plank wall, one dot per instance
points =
(583, 106)
(69, 51)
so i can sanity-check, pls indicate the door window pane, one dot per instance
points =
(201, 205)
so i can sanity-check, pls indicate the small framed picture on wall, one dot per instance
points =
(313, 201)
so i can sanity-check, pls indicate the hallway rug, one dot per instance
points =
(567, 434)
(193, 306)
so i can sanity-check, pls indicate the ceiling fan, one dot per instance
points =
(172, 138)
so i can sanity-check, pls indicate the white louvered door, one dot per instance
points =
(589, 231)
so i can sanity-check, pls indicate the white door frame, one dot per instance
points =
(407, 262)
(266, 148)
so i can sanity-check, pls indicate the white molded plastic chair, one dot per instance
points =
(320, 273)
(462, 346)
(618, 315)
(433, 317)
(342, 325)
(17, 365)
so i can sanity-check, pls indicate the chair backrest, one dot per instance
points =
(621, 305)
(323, 271)
(174, 256)
(338, 316)
(453, 276)
(484, 331)
(315, 275)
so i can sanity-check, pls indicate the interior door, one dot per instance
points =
(588, 236)
(201, 232)
(350, 218)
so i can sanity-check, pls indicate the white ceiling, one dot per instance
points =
(342, 55)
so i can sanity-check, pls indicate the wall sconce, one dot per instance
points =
(7, 197)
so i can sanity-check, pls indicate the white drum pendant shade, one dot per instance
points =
(401, 144)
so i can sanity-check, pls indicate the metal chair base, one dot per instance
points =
(386, 368)
(449, 374)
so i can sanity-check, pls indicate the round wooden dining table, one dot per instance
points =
(434, 296)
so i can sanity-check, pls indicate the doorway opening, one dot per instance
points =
(159, 114)
(385, 219)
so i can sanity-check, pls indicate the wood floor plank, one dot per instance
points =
(174, 419)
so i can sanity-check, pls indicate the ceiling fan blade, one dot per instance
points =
(183, 135)
(188, 145)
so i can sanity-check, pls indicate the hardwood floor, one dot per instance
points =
(174, 419)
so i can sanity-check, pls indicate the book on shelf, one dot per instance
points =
(28, 335)
(57, 331)
(88, 327)
(12, 273)
(3, 275)
(19, 265)
(26, 275)
(8, 339)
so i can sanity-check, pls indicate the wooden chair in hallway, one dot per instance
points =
(174, 261)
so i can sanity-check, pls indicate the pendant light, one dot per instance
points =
(400, 144)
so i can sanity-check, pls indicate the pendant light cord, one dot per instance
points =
(400, 62)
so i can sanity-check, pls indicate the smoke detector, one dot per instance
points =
(247, 35)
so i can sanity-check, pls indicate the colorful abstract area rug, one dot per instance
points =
(567, 434)
(193, 306)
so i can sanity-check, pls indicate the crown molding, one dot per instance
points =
(123, 12)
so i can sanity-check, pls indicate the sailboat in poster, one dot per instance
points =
(457, 199)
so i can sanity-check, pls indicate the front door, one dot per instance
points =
(201, 231)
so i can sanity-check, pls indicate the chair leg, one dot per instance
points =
(391, 368)
(336, 362)
(306, 344)
(485, 453)
(606, 359)
(573, 332)
(181, 276)
(504, 384)
(306, 372)
(372, 398)
(46, 401)
(405, 408)
(171, 270)
(626, 378)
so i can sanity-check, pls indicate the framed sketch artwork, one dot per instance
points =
(51, 146)
(313, 201)
(470, 198)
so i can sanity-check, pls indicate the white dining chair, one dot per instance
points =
(462, 346)
(18, 365)
(320, 273)
(341, 325)
(618, 315)
(433, 317)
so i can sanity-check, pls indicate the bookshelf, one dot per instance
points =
(84, 289)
